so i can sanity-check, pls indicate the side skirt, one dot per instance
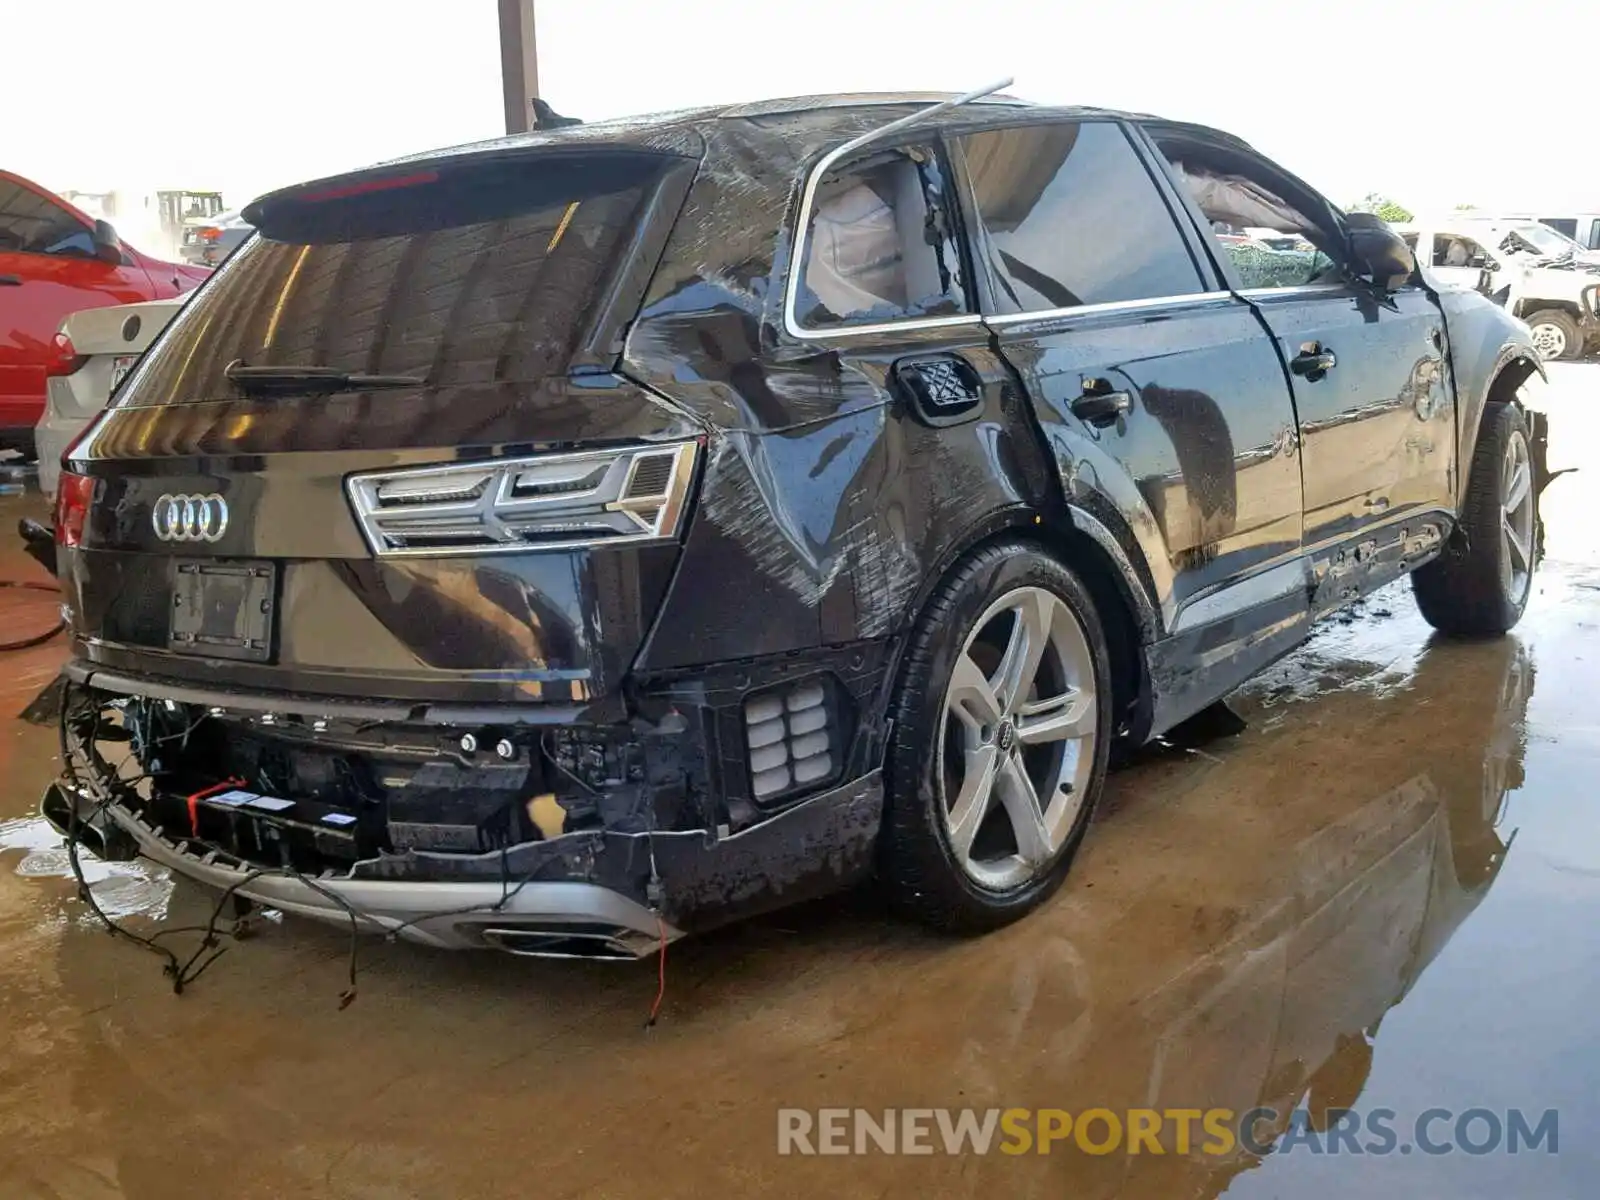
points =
(1223, 638)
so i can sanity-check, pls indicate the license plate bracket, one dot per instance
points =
(223, 609)
(121, 366)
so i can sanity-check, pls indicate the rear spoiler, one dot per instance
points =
(265, 211)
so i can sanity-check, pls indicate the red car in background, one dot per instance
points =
(55, 260)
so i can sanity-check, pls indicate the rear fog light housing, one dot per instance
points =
(792, 736)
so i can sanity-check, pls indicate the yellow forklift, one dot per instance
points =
(184, 213)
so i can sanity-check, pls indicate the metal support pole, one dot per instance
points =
(519, 63)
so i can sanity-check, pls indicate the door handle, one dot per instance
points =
(943, 388)
(1102, 408)
(10, 280)
(1313, 361)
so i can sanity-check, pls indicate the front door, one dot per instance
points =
(1376, 423)
(1373, 400)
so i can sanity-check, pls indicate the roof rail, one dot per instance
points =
(921, 115)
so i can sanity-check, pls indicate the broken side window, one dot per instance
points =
(880, 244)
(1269, 240)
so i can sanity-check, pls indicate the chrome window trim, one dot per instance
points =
(1299, 289)
(802, 238)
(909, 325)
(802, 230)
(802, 242)
(1056, 314)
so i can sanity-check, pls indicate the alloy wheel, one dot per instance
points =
(1516, 518)
(1017, 738)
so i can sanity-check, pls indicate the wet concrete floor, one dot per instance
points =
(1383, 895)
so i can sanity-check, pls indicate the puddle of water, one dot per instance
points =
(1382, 893)
(121, 889)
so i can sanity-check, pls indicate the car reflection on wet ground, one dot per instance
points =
(1381, 895)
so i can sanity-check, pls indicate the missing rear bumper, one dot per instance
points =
(507, 901)
(566, 919)
(570, 838)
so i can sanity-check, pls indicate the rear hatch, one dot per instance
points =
(380, 328)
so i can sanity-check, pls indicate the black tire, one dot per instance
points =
(1464, 592)
(923, 878)
(1568, 325)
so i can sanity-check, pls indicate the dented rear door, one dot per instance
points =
(1160, 394)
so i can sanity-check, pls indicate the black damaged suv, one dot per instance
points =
(570, 541)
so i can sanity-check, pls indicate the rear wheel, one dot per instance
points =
(1002, 726)
(1555, 334)
(1480, 585)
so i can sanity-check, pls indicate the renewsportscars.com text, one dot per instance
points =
(1218, 1132)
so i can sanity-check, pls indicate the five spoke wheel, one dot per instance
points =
(1017, 739)
(1517, 517)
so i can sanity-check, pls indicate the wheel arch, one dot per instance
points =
(1529, 305)
(1080, 541)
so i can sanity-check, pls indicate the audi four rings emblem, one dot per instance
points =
(190, 518)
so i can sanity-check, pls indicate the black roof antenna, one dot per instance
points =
(545, 117)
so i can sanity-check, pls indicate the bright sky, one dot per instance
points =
(1415, 98)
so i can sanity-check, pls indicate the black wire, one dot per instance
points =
(184, 973)
(347, 997)
(73, 837)
(37, 639)
(181, 973)
(507, 895)
(184, 977)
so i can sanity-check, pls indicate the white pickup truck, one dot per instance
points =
(1534, 272)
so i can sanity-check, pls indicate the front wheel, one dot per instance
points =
(1555, 335)
(1002, 727)
(1480, 585)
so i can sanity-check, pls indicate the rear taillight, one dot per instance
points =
(74, 494)
(64, 358)
(211, 234)
(551, 502)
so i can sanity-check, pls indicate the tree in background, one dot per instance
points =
(1383, 207)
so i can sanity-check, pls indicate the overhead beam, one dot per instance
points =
(519, 63)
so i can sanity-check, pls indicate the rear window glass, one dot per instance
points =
(464, 273)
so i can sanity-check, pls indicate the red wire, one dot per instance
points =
(661, 978)
(213, 790)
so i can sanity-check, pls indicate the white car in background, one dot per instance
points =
(99, 347)
(1556, 294)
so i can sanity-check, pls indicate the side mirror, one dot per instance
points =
(1381, 254)
(107, 245)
